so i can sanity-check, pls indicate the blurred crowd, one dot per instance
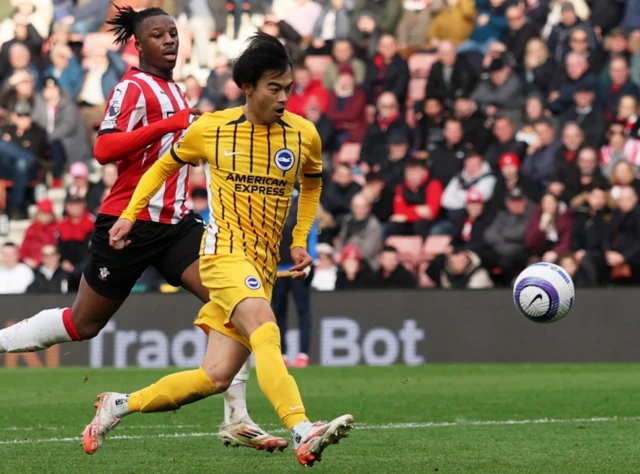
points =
(462, 140)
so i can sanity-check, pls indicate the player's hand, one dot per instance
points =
(302, 260)
(118, 234)
(196, 112)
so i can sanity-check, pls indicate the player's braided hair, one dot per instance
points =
(127, 20)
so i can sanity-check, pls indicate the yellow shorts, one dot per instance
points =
(229, 279)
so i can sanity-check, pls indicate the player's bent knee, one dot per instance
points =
(220, 378)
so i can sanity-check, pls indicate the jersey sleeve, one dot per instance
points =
(125, 109)
(312, 167)
(191, 148)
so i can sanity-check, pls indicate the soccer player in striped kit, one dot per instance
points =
(146, 114)
(253, 156)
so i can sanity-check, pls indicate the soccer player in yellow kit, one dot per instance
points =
(253, 155)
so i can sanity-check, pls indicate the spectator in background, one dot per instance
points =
(476, 175)
(572, 140)
(521, 32)
(376, 140)
(446, 160)
(337, 195)
(538, 165)
(192, 91)
(449, 77)
(22, 144)
(303, 17)
(20, 60)
(197, 16)
(416, 19)
(504, 142)
(390, 273)
(623, 174)
(511, 178)
(387, 72)
(49, 277)
(392, 167)
(325, 127)
(628, 113)
(537, 68)
(304, 87)
(533, 111)
(592, 215)
(65, 69)
(416, 205)
(429, 131)
(586, 115)
(286, 34)
(346, 107)
(232, 96)
(15, 277)
(42, 231)
(549, 231)
(200, 200)
(622, 239)
(463, 269)
(56, 112)
(634, 49)
(453, 23)
(20, 88)
(354, 273)
(621, 85)
(99, 191)
(506, 234)
(23, 33)
(81, 186)
(582, 275)
(221, 72)
(325, 271)
(87, 16)
(501, 92)
(491, 25)
(474, 123)
(582, 176)
(362, 229)
(73, 239)
(577, 75)
(332, 24)
(558, 40)
(366, 35)
(380, 194)
(631, 19)
(388, 13)
(619, 148)
(343, 55)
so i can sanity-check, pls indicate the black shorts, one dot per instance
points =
(170, 248)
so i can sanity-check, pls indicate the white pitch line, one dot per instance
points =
(364, 426)
(59, 428)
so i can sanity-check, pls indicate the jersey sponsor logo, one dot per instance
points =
(252, 283)
(266, 185)
(103, 273)
(284, 159)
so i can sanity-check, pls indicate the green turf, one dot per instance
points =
(49, 405)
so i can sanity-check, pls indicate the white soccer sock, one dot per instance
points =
(41, 331)
(299, 432)
(235, 398)
(120, 404)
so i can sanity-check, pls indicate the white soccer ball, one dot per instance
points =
(544, 293)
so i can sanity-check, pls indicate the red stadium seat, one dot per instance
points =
(349, 154)
(420, 64)
(317, 65)
(408, 249)
(435, 245)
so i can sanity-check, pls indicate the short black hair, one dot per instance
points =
(264, 53)
(127, 20)
(374, 176)
(543, 120)
(389, 248)
(10, 245)
(415, 163)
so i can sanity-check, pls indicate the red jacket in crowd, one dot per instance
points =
(352, 117)
(298, 100)
(74, 237)
(37, 236)
(428, 192)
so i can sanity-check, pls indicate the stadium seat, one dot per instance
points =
(349, 154)
(420, 64)
(317, 65)
(417, 89)
(408, 249)
(435, 245)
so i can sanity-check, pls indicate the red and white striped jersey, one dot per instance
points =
(141, 99)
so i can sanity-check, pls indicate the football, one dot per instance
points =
(544, 293)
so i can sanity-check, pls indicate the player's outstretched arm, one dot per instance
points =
(113, 146)
(308, 202)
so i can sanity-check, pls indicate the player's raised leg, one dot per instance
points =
(254, 319)
(84, 320)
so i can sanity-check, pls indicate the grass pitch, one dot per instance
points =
(433, 418)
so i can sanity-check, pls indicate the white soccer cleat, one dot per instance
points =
(248, 434)
(320, 435)
(104, 421)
